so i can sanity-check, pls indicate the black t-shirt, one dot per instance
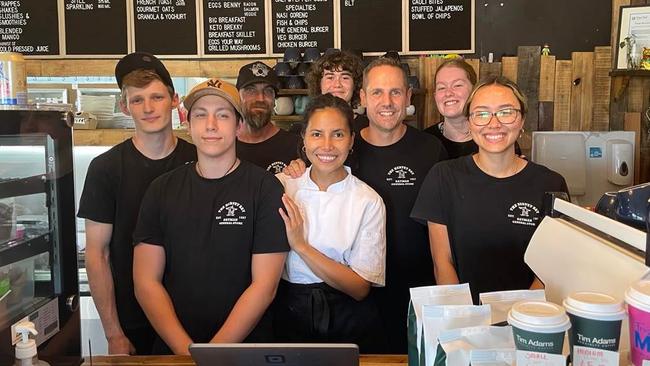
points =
(210, 228)
(396, 172)
(489, 220)
(458, 149)
(272, 154)
(115, 184)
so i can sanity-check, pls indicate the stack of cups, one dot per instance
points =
(595, 320)
(538, 326)
(637, 298)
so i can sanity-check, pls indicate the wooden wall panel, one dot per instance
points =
(582, 91)
(635, 91)
(562, 95)
(428, 66)
(602, 85)
(476, 65)
(181, 68)
(547, 79)
(633, 123)
(528, 69)
(545, 116)
(616, 11)
(489, 69)
(509, 67)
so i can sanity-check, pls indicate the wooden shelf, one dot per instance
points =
(635, 73)
(111, 137)
(286, 92)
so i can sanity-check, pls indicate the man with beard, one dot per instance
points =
(260, 141)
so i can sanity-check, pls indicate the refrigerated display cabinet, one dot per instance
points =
(38, 263)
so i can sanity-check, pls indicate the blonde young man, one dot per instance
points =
(115, 184)
(210, 243)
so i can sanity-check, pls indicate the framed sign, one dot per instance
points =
(633, 34)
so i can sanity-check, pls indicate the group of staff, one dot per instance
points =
(200, 243)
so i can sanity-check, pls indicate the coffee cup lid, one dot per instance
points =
(539, 316)
(594, 305)
(638, 295)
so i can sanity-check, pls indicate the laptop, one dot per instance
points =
(275, 354)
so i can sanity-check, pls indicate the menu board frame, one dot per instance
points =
(336, 39)
(197, 30)
(339, 36)
(407, 37)
(268, 37)
(63, 41)
(61, 34)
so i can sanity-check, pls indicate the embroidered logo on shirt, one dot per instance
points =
(523, 213)
(401, 176)
(232, 213)
(276, 167)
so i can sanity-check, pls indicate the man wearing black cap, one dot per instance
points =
(114, 187)
(260, 141)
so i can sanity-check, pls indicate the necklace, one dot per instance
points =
(463, 135)
(198, 169)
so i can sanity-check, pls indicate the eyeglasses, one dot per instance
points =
(504, 116)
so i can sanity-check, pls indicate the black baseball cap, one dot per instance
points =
(257, 72)
(142, 60)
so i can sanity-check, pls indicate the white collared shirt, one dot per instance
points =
(347, 223)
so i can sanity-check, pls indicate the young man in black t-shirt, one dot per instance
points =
(115, 184)
(210, 242)
(260, 141)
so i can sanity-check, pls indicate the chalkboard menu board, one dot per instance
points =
(234, 27)
(371, 25)
(95, 27)
(30, 27)
(440, 25)
(302, 24)
(165, 27)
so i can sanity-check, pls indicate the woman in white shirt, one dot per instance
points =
(336, 229)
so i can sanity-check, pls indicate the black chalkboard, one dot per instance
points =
(371, 25)
(302, 24)
(165, 27)
(440, 25)
(30, 27)
(234, 27)
(95, 27)
(567, 26)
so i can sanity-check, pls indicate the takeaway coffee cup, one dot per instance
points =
(595, 320)
(637, 298)
(538, 326)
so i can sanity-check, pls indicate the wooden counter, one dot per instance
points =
(365, 360)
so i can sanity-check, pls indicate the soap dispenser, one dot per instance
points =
(26, 348)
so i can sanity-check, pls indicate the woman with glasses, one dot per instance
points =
(482, 209)
(452, 84)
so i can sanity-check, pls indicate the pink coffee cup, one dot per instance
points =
(637, 298)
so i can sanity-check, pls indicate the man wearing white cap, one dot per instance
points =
(260, 141)
(210, 243)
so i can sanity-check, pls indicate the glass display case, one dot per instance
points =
(38, 264)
